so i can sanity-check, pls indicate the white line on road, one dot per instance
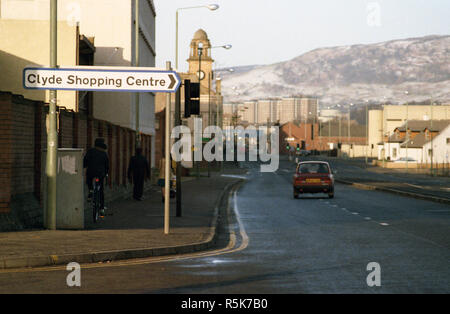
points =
(244, 235)
(233, 176)
(384, 224)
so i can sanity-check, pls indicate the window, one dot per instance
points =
(448, 140)
(313, 168)
(394, 153)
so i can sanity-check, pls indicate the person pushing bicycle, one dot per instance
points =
(96, 163)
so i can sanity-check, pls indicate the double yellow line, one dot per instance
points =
(230, 248)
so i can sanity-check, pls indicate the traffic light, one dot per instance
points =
(288, 147)
(298, 147)
(191, 98)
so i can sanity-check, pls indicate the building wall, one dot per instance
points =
(27, 43)
(375, 127)
(23, 137)
(111, 23)
(307, 109)
(441, 148)
(250, 114)
(355, 151)
(395, 116)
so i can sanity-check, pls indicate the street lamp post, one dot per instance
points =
(219, 105)
(200, 52)
(349, 116)
(431, 136)
(219, 110)
(211, 7)
(383, 133)
(407, 133)
(52, 137)
(137, 95)
(340, 126)
(367, 128)
(228, 46)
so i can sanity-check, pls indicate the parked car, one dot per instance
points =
(313, 177)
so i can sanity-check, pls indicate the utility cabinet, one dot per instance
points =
(69, 188)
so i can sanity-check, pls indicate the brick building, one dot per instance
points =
(315, 136)
(23, 137)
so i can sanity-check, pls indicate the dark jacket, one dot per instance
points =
(138, 167)
(97, 163)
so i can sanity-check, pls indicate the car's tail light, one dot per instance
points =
(326, 179)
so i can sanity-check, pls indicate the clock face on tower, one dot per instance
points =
(201, 74)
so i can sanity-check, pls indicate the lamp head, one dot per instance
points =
(212, 7)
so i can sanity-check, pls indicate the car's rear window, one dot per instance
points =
(313, 168)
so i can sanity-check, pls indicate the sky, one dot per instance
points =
(271, 31)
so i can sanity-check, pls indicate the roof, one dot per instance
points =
(420, 125)
(394, 138)
(416, 142)
(200, 35)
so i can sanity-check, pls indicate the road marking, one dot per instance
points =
(355, 213)
(367, 218)
(384, 224)
(245, 239)
(233, 176)
(151, 260)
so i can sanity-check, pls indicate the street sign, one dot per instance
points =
(113, 79)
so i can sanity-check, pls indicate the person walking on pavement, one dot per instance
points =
(162, 175)
(138, 170)
(96, 163)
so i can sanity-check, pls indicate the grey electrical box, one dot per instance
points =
(69, 188)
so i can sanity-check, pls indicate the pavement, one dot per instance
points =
(131, 229)
(366, 176)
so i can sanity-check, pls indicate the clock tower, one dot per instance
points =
(201, 66)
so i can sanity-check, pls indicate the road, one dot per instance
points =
(283, 245)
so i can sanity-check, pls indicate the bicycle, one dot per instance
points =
(96, 200)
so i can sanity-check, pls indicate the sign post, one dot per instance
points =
(52, 134)
(92, 78)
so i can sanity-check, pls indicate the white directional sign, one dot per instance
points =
(115, 79)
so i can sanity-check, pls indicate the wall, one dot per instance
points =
(20, 48)
(440, 146)
(111, 24)
(375, 127)
(395, 116)
(22, 139)
(355, 151)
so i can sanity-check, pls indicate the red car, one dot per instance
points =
(313, 177)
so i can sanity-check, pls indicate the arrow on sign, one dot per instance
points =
(116, 79)
(173, 81)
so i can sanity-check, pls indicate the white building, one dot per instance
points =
(111, 25)
(422, 135)
(440, 146)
